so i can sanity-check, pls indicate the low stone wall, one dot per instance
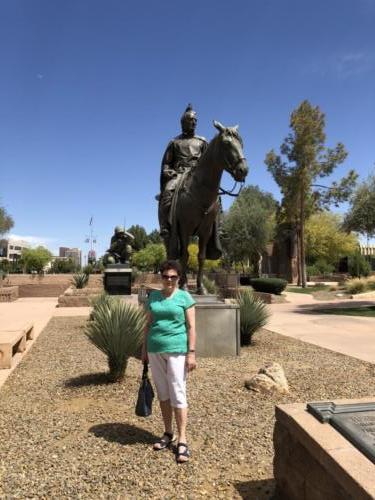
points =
(46, 285)
(81, 297)
(8, 294)
(315, 462)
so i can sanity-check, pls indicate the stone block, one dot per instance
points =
(12, 342)
(313, 461)
(218, 328)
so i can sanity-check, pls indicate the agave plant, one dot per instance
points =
(80, 280)
(253, 315)
(117, 330)
(210, 285)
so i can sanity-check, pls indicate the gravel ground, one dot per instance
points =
(65, 433)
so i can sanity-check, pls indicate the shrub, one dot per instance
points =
(324, 267)
(356, 285)
(371, 283)
(268, 285)
(80, 280)
(117, 330)
(254, 314)
(209, 285)
(320, 267)
(358, 266)
(89, 269)
(312, 270)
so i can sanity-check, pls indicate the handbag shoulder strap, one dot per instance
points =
(145, 371)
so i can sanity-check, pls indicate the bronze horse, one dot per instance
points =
(197, 204)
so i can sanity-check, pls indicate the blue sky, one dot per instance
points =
(92, 91)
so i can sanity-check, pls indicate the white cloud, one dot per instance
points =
(35, 241)
(343, 66)
(353, 63)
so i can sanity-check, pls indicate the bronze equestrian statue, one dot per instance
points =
(182, 154)
(195, 205)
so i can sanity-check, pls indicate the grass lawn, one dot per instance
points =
(309, 289)
(368, 311)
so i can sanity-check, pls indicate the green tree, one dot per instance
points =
(307, 159)
(150, 257)
(6, 221)
(64, 266)
(154, 237)
(326, 240)
(140, 237)
(209, 265)
(249, 226)
(361, 215)
(35, 259)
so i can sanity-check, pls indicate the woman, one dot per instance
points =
(169, 347)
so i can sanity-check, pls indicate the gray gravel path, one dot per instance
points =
(64, 433)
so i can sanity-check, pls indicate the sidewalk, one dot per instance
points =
(300, 319)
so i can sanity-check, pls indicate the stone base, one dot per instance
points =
(218, 327)
(117, 279)
(313, 461)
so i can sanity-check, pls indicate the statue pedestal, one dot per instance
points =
(117, 279)
(218, 327)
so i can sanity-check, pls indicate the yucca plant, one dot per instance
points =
(95, 302)
(254, 314)
(80, 280)
(117, 330)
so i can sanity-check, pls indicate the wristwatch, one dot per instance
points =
(191, 350)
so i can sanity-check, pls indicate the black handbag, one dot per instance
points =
(143, 407)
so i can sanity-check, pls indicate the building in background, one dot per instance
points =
(11, 249)
(62, 251)
(71, 253)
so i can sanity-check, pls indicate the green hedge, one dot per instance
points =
(268, 285)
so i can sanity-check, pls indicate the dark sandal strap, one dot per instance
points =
(164, 443)
(185, 453)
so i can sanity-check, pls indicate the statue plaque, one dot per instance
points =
(356, 422)
(117, 279)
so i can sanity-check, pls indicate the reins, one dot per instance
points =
(230, 193)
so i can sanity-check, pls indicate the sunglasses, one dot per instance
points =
(166, 277)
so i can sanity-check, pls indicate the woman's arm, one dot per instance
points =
(190, 321)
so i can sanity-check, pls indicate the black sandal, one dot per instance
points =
(185, 453)
(164, 442)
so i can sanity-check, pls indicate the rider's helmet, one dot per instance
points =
(119, 229)
(189, 118)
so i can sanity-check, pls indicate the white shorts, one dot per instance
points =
(169, 375)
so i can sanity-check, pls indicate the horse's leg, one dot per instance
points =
(201, 290)
(184, 259)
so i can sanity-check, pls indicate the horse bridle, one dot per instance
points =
(232, 170)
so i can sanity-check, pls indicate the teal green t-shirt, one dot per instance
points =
(168, 331)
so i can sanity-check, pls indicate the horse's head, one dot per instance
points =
(232, 151)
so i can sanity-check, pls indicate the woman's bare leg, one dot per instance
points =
(166, 411)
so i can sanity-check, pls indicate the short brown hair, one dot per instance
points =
(170, 264)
